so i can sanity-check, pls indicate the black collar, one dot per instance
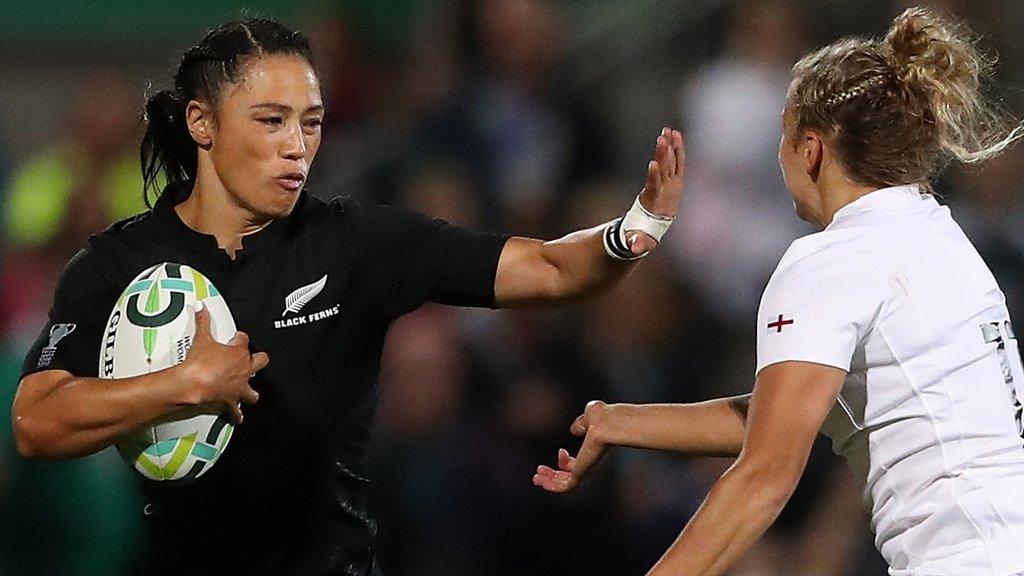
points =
(178, 192)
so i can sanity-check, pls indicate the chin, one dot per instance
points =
(277, 211)
(280, 204)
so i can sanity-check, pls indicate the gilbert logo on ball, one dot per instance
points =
(150, 329)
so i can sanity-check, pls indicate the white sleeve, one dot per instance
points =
(817, 308)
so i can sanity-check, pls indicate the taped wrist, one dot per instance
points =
(636, 219)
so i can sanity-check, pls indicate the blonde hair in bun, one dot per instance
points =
(902, 107)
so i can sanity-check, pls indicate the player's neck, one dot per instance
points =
(836, 191)
(211, 209)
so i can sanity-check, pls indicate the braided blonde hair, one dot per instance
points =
(902, 107)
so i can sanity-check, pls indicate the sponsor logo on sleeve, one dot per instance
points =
(57, 333)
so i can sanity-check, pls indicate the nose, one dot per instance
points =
(294, 146)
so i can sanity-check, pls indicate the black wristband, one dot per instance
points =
(613, 243)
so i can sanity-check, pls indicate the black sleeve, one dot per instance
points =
(71, 338)
(411, 259)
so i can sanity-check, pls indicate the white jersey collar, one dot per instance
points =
(883, 198)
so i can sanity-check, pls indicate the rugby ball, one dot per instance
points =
(150, 329)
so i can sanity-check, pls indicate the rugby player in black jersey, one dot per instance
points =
(234, 139)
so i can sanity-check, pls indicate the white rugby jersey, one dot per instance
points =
(929, 416)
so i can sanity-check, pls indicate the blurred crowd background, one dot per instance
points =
(535, 117)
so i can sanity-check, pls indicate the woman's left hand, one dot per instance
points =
(664, 187)
(572, 469)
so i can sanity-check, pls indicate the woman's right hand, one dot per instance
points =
(220, 373)
(572, 469)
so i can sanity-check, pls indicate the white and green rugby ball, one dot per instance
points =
(150, 329)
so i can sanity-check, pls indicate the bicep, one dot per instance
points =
(789, 403)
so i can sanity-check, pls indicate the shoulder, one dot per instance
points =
(379, 220)
(367, 231)
(124, 235)
(106, 256)
(343, 208)
(353, 208)
(823, 298)
(844, 251)
(825, 245)
(89, 274)
(840, 264)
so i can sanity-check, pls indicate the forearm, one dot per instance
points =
(80, 416)
(711, 428)
(738, 510)
(574, 267)
(789, 403)
(583, 267)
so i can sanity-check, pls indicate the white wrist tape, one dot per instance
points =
(638, 218)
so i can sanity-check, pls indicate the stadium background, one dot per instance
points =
(529, 116)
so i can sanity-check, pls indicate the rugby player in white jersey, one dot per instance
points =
(885, 331)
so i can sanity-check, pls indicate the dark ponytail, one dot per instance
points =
(167, 147)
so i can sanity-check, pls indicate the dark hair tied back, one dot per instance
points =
(168, 147)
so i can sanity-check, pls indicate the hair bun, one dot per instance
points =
(903, 107)
(926, 47)
(940, 69)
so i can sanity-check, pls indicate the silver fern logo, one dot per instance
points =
(300, 297)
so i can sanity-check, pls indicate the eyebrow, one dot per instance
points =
(286, 108)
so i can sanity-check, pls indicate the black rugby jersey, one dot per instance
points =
(289, 495)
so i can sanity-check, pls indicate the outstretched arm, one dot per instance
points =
(711, 428)
(576, 266)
